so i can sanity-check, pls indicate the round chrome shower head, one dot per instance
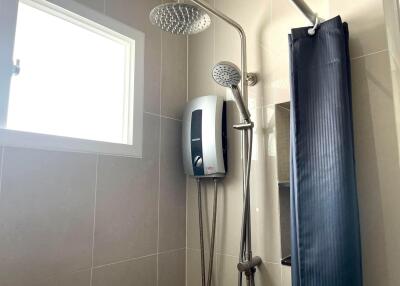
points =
(180, 18)
(226, 74)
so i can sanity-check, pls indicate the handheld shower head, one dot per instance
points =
(228, 75)
(180, 18)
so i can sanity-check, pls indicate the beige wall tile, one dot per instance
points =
(134, 272)
(269, 274)
(127, 201)
(171, 268)
(98, 5)
(392, 19)
(366, 24)
(46, 213)
(200, 63)
(377, 167)
(253, 17)
(174, 75)
(266, 229)
(172, 205)
(286, 16)
(193, 268)
(135, 13)
(80, 278)
(286, 276)
(275, 53)
(226, 270)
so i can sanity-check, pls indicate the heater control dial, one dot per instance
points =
(198, 161)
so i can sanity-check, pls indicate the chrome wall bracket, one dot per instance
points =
(251, 79)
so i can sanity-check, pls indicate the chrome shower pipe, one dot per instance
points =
(306, 10)
(242, 35)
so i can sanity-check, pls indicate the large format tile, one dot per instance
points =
(172, 268)
(254, 18)
(134, 272)
(126, 209)
(193, 268)
(172, 205)
(226, 270)
(376, 153)
(274, 57)
(80, 278)
(366, 24)
(94, 4)
(201, 61)
(135, 13)
(174, 75)
(46, 214)
(284, 17)
(286, 276)
(269, 274)
(97, 5)
(264, 183)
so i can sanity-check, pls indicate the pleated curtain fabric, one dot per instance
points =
(326, 247)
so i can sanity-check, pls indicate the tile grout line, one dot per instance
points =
(122, 261)
(162, 116)
(234, 256)
(125, 260)
(171, 250)
(94, 217)
(134, 258)
(369, 54)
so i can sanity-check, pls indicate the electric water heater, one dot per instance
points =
(204, 137)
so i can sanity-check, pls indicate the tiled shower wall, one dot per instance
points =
(87, 219)
(267, 23)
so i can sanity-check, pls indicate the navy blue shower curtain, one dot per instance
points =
(326, 248)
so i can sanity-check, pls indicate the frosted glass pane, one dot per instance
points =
(72, 81)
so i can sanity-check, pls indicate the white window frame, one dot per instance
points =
(8, 20)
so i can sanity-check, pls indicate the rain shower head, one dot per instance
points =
(228, 75)
(180, 18)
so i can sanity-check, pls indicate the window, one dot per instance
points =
(75, 79)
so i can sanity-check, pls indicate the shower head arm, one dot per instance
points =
(242, 35)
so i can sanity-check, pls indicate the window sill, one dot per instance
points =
(13, 138)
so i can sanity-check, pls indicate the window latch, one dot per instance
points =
(16, 68)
